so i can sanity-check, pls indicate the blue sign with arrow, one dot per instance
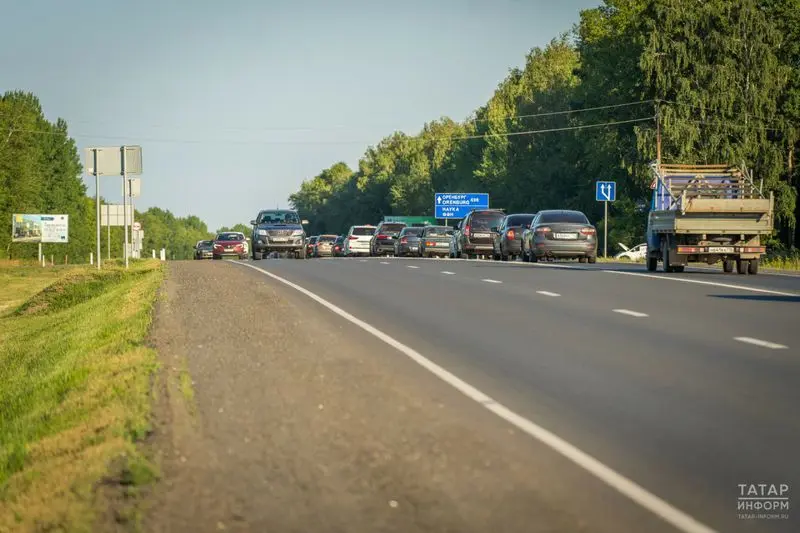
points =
(457, 204)
(605, 191)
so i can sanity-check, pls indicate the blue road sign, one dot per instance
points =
(457, 204)
(605, 191)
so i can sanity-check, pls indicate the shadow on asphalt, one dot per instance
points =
(757, 297)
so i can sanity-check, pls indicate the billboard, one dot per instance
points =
(39, 228)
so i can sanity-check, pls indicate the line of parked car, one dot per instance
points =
(546, 235)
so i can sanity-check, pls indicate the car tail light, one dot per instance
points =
(510, 234)
(543, 230)
(404, 240)
(382, 237)
(466, 230)
(588, 231)
(352, 238)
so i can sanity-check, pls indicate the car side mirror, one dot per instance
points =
(252, 222)
(304, 222)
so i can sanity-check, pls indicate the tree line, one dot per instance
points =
(40, 173)
(719, 78)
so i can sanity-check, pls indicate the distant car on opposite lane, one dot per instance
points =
(204, 250)
(229, 244)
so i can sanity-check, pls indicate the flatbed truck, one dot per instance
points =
(707, 214)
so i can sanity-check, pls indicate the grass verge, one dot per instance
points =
(76, 398)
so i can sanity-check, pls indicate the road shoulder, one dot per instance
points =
(299, 422)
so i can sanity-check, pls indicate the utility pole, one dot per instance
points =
(658, 135)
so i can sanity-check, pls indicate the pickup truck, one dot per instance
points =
(707, 213)
(278, 230)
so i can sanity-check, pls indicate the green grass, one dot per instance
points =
(75, 392)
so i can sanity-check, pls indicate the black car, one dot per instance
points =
(508, 237)
(561, 234)
(204, 250)
(384, 238)
(474, 235)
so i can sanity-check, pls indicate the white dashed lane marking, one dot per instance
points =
(491, 281)
(412, 266)
(759, 342)
(448, 273)
(548, 293)
(628, 312)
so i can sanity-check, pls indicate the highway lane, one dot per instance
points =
(670, 400)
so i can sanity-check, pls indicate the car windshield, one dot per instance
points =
(486, 221)
(312, 240)
(363, 231)
(438, 231)
(327, 238)
(392, 229)
(411, 232)
(519, 220)
(230, 237)
(278, 217)
(569, 217)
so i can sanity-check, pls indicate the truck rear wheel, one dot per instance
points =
(741, 266)
(752, 266)
(652, 263)
(727, 265)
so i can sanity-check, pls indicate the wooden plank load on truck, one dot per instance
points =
(707, 214)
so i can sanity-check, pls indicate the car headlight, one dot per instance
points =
(262, 232)
(297, 233)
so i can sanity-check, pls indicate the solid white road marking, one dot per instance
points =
(548, 293)
(412, 266)
(701, 282)
(448, 273)
(491, 281)
(759, 342)
(637, 314)
(625, 486)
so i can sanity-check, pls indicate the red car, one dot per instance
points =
(229, 245)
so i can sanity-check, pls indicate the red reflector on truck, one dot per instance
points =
(755, 250)
(690, 250)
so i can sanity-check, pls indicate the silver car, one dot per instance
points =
(561, 234)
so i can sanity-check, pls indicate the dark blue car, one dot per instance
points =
(280, 231)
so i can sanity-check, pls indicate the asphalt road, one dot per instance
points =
(687, 384)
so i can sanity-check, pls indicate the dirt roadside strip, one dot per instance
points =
(300, 423)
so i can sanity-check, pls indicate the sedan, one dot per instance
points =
(508, 237)
(561, 234)
(407, 242)
(230, 244)
(338, 246)
(204, 250)
(435, 241)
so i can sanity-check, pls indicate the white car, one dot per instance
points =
(358, 239)
(637, 253)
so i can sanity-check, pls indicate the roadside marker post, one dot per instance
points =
(605, 191)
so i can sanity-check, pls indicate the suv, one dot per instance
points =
(278, 230)
(358, 240)
(474, 235)
(385, 236)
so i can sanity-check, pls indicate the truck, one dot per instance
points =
(278, 230)
(707, 214)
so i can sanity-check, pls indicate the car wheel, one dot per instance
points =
(592, 259)
(582, 259)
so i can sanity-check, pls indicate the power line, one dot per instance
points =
(340, 127)
(255, 142)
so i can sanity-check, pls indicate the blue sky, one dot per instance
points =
(235, 103)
